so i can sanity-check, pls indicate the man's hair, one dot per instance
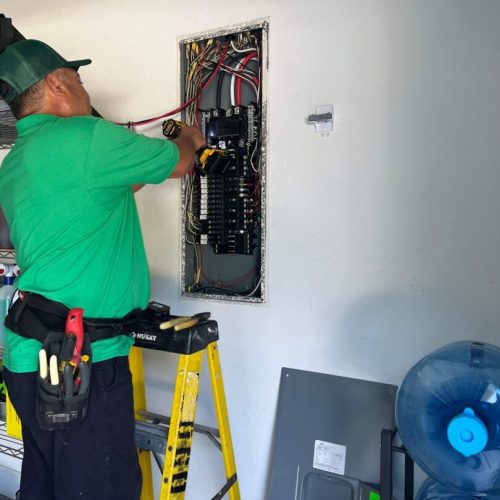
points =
(27, 102)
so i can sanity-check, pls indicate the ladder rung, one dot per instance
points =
(151, 437)
(157, 420)
(226, 487)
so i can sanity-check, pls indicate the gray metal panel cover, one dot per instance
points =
(314, 406)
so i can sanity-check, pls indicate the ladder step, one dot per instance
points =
(152, 435)
(226, 487)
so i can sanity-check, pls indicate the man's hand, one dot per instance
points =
(190, 140)
(193, 135)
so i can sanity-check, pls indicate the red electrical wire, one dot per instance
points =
(235, 72)
(185, 104)
(252, 55)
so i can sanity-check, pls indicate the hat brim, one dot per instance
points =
(77, 64)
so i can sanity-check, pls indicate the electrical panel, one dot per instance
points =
(223, 82)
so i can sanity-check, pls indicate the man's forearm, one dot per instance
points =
(189, 141)
(187, 157)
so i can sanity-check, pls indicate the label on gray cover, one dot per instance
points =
(329, 457)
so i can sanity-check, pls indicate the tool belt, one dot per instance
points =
(63, 379)
(34, 316)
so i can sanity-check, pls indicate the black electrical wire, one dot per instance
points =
(217, 289)
(222, 74)
(225, 290)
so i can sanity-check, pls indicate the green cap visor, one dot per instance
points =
(24, 63)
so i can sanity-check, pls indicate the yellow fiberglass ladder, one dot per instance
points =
(189, 337)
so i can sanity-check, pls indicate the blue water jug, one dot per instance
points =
(448, 416)
(432, 490)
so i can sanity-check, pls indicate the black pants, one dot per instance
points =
(97, 461)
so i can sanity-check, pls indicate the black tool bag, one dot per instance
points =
(63, 406)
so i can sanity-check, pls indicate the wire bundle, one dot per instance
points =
(204, 63)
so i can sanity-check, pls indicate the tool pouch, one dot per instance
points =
(63, 406)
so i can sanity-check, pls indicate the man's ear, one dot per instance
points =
(56, 85)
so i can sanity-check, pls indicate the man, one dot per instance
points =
(66, 189)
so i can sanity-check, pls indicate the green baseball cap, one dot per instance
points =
(24, 63)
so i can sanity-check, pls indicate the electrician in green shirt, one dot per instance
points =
(66, 189)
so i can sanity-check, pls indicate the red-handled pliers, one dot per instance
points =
(74, 326)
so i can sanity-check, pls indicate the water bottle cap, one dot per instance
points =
(8, 279)
(467, 433)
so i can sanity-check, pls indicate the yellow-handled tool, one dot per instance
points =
(171, 128)
(173, 322)
(186, 324)
(183, 322)
(208, 158)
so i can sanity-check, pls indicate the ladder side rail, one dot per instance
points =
(180, 432)
(222, 418)
(137, 370)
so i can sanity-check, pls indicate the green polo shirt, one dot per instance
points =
(65, 189)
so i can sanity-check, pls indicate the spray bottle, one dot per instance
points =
(8, 273)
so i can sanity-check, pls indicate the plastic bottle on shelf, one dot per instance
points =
(432, 490)
(7, 272)
(448, 416)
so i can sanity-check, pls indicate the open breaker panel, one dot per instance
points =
(224, 201)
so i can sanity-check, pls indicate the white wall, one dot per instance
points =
(383, 239)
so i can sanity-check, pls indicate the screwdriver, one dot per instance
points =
(68, 380)
(84, 377)
(194, 320)
(44, 368)
(183, 322)
(172, 322)
(53, 370)
(67, 349)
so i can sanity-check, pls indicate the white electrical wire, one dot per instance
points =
(241, 51)
(252, 164)
(232, 86)
(249, 294)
